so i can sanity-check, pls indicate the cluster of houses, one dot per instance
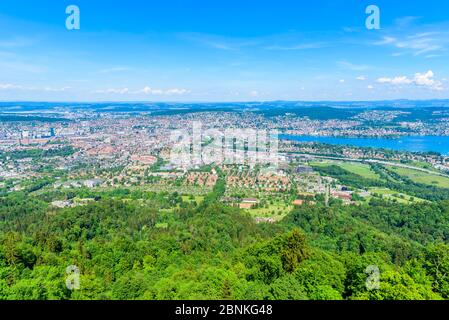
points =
(270, 182)
(202, 179)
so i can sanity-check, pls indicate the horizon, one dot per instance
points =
(221, 102)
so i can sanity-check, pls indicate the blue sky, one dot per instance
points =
(221, 50)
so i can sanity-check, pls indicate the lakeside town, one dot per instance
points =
(103, 151)
(227, 158)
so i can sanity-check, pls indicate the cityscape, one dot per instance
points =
(291, 161)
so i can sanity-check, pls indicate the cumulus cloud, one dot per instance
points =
(420, 79)
(426, 79)
(361, 78)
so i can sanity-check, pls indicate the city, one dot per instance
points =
(100, 151)
(223, 159)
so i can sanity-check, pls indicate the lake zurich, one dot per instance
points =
(438, 144)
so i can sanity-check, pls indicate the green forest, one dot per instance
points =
(144, 245)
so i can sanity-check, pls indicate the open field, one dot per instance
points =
(422, 177)
(423, 165)
(394, 195)
(360, 169)
(276, 211)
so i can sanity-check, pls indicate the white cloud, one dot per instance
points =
(361, 78)
(148, 90)
(386, 40)
(177, 91)
(417, 44)
(50, 89)
(420, 79)
(342, 81)
(169, 92)
(370, 87)
(120, 91)
(427, 79)
(145, 90)
(400, 80)
(9, 86)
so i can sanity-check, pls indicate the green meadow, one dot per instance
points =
(422, 177)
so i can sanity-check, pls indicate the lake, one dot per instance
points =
(411, 143)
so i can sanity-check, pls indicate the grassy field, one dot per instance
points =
(394, 195)
(361, 169)
(422, 177)
(421, 164)
(277, 211)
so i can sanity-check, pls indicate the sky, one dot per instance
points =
(223, 50)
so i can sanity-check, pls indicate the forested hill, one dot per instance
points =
(131, 249)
